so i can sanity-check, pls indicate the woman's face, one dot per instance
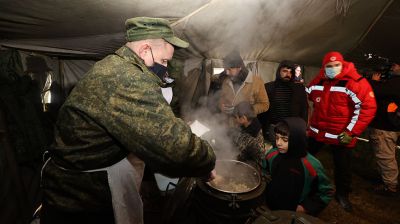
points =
(298, 71)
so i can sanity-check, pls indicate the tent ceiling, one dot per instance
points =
(76, 18)
(299, 30)
(383, 38)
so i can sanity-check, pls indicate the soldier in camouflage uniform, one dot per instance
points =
(115, 121)
(249, 139)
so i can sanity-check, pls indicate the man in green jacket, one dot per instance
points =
(114, 122)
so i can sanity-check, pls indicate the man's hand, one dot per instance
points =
(228, 109)
(345, 138)
(300, 208)
(376, 76)
(211, 176)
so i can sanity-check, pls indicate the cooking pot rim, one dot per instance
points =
(254, 171)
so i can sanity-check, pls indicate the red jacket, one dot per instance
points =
(345, 103)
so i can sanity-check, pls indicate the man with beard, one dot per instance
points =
(287, 99)
(241, 86)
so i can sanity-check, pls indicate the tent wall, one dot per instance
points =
(40, 64)
(72, 71)
(25, 132)
(67, 72)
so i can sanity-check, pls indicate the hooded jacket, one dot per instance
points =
(296, 106)
(386, 92)
(298, 178)
(251, 90)
(345, 103)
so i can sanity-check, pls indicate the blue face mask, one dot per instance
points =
(332, 72)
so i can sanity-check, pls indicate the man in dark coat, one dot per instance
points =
(287, 99)
(384, 133)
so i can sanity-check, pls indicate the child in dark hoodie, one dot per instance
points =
(299, 182)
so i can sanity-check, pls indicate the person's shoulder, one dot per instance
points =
(272, 153)
(319, 79)
(269, 85)
(353, 76)
(114, 64)
(226, 81)
(110, 59)
(357, 83)
(313, 160)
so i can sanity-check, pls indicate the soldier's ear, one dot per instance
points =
(144, 49)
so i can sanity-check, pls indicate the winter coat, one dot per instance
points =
(317, 191)
(298, 178)
(251, 90)
(249, 140)
(297, 105)
(345, 103)
(386, 92)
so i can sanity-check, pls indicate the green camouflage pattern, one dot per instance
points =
(117, 108)
(175, 71)
(143, 28)
(250, 147)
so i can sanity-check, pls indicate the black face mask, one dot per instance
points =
(160, 70)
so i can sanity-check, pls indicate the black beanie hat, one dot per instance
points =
(233, 60)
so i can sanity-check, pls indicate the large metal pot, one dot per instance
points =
(235, 177)
(215, 202)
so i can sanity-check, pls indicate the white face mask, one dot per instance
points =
(331, 72)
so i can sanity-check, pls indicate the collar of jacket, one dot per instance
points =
(249, 77)
(127, 54)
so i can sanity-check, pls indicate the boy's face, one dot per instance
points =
(282, 143)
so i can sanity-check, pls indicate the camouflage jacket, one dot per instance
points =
(116, 109)
(250, 147)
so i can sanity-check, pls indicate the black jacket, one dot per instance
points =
(298, 105)
(385, 92)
